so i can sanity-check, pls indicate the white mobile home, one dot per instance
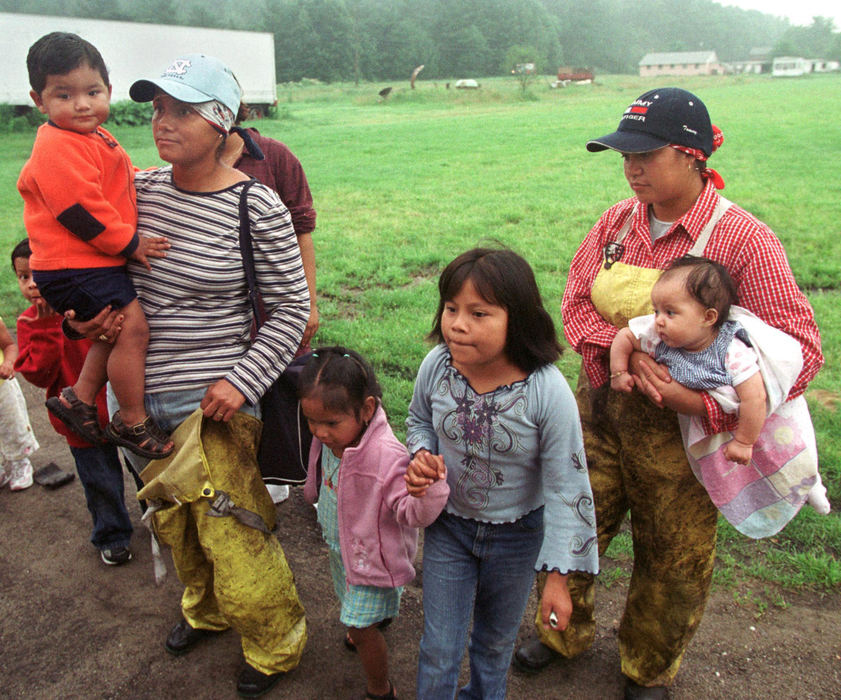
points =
(133, 50)
(790, 67)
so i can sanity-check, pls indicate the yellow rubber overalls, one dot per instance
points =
(217, 517)
(636, 462)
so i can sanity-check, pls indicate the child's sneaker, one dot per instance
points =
(114, 556)
(21, 475)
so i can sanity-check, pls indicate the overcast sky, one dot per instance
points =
(797, 11)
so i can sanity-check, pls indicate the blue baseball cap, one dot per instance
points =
(193, 78)
(658, 118)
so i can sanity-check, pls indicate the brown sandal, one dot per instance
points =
(145, 438)
(77, 415)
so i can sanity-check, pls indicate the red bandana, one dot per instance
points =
(706, 173)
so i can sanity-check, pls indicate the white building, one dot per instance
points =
(680, 63)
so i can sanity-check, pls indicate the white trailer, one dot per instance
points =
(134, 50)
(790, 66)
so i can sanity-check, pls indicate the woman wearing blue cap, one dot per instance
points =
(205, 374)
(634, 449)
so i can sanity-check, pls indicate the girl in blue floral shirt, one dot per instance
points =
(493, 416)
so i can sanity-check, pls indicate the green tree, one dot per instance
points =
(818, 40)
(521, 63)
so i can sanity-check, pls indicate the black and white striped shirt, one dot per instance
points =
(196, 298)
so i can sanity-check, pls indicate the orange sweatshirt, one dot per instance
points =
(79, 203)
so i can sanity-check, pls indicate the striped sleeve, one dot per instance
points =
(283, 287)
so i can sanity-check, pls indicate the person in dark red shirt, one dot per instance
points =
(272, 163)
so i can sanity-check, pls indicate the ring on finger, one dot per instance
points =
(102, 336)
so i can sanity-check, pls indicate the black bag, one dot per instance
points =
(286, 438)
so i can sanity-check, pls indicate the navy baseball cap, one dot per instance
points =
(192, 78)
(658, 118)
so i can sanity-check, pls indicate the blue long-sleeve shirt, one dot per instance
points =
(508, 452)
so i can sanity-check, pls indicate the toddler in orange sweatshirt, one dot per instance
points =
(80, 215)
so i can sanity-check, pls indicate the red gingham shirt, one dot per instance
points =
(749, 250)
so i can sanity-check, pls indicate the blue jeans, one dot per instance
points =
(479, 569)
(101, 475)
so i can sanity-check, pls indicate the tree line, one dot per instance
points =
(341, 40)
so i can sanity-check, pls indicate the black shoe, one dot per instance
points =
(533, 656)
(183, 637)
(634, 691)
(253, 683)
(114, 556)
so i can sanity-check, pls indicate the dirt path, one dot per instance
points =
(72, 628)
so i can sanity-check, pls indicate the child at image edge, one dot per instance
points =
(80, 215)
(494, 417)
(17, 441)
(690, 333)
(50, 360)
(368, 520)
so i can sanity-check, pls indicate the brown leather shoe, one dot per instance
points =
(635, 691)
(533, 656)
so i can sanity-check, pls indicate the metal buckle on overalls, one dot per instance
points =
(613, 253)
(223, 506)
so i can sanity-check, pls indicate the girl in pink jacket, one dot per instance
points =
(367, 516)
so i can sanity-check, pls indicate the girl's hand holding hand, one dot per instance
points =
(555, 603)
(424, 470)
(221, 401)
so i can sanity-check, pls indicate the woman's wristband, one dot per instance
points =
(613, 375)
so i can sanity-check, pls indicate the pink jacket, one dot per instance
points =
(378, 519)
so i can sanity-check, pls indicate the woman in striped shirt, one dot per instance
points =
(634, 448)
(202, 358)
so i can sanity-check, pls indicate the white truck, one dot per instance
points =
(134, 50)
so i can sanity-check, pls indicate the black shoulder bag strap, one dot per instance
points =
(246, 250)
(288, 430)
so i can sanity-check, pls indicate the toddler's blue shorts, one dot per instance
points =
(85, 290)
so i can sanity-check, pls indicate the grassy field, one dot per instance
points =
(403, 185)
